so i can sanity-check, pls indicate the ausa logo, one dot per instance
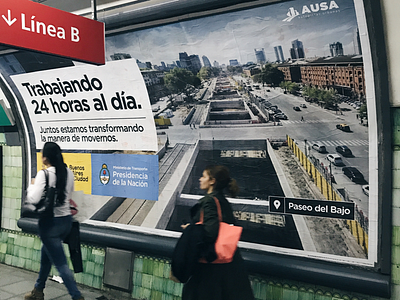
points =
(310, 9)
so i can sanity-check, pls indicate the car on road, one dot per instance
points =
(344, 150)
(365, 189)
(354, 174)
(303, 105)
(296, 108)
(343, 127)
(319, 148)
(335, 159)
(281, 116)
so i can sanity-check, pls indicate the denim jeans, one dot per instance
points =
(52, 233)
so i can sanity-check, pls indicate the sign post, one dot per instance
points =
(33, 26)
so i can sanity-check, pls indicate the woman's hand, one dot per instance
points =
(172, 277)
(183, 226)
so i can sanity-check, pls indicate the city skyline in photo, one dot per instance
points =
(236, 35)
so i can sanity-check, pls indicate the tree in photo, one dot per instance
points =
(183, 81)
(269, 74)
(291, 87)
(235, 69)
(208, 72)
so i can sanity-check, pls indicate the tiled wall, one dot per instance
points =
(23, 250)
(150, 274)
(396, 204)
(12, 187)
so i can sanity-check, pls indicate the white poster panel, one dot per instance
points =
(90, 107)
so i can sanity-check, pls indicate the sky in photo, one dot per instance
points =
(235, 35)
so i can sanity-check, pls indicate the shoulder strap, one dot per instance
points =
(46, 175)
(218, 209)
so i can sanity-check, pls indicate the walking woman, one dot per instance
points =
(217, 281)
(52, 231)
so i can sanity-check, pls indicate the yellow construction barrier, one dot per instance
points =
(329, 193)
(162, 121)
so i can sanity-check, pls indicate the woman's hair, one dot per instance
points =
(222, 179)
(53, 154)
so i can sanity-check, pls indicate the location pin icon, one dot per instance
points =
(277, 203)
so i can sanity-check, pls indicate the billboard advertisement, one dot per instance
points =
(280, 93)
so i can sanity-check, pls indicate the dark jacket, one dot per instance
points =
(217, 281)
(210, 221)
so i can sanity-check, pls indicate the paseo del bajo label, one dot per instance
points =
(317, 208)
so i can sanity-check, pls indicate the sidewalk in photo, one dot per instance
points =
(16, 282)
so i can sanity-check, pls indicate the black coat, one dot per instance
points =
(217, 281)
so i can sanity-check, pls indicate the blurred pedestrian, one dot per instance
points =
(53, 230)
(210, 281)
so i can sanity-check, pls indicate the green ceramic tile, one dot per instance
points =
(10, 249)
(38, 244)
(22, 252)
(136, 292)
(19, 262)
(8, 259)
(36, 254)
(98, 270)
(277, 292)
(147, 281)
(157, 284)
(263, 290)
(90, 256)
(178, 289)
(28, 264)
(89, 267)
(88, 279)
(256, 288)
(396, 274)
(137, 279)
(99, 259)
(167, 297)
(35, 266)
(84, 251)
(319, 295)
(170, 287)
(145, 293)
(138, 264)
(167, 270)
(3, 248)
(3, 237)
(396, 255)
(156, 295)
(97, 282)
(148, 266)
(165, 285)
(79, 278)
(156, 268)
(396, 235)
(14, 261)
(305, 295)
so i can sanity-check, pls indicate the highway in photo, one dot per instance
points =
(319, 127)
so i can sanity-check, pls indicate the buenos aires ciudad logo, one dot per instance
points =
(311, 9)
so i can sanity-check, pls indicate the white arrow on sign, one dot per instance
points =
(9, 21)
